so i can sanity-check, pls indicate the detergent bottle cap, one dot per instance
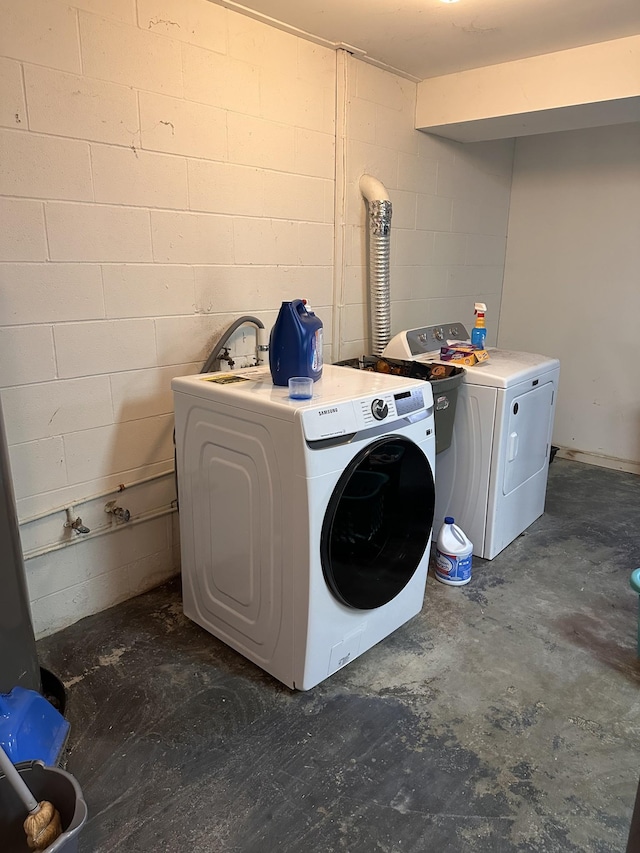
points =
(480, 308)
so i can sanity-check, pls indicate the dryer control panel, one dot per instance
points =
(413, 343)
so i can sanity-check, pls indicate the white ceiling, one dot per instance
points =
(427, 38)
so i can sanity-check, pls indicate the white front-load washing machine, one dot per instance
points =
(493, 477)
(305, 524)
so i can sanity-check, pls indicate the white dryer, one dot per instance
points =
(493, 477)
(305, 524)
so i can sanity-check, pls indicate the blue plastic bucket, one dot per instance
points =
(31, 729)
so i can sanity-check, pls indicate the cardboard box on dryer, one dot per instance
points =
(464, 354)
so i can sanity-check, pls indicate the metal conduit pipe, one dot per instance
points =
(379, 253)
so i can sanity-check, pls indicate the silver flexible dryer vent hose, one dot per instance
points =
(379, 253)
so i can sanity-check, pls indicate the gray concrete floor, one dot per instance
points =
(505, 717)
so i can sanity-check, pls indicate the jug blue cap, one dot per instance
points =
(449, 519)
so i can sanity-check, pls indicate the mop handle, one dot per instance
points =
(17, 783)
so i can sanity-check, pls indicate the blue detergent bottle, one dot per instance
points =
(295, 343)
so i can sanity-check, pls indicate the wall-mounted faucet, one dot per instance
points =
(75, 523)
(225, 355)
(220, 349)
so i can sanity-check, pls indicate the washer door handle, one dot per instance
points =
(512, 448)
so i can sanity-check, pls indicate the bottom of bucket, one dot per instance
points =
(450, 582)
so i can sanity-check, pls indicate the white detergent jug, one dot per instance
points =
(453, 554)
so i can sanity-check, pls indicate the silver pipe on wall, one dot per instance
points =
(380, 210)
(100, 531)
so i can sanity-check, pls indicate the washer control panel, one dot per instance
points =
(352, 416)
(388, 406)
(409, 401)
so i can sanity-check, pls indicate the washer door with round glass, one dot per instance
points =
(378, 523)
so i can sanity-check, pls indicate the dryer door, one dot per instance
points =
(378, 523)
(530, 414)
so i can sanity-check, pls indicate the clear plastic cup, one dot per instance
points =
(301, 388)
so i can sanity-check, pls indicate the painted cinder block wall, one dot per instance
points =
(166, 166)
(571, 282)
(450, 211)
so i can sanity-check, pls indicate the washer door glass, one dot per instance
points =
(378, 523)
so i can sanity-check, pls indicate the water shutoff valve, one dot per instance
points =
(76, 524)
(118, 512)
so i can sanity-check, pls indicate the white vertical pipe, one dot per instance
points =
(373, 189)
(340, 202)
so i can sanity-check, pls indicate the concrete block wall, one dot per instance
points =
(571, 280)
(450, 211)
(165, 166)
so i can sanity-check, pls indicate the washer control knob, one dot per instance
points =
(379, 409)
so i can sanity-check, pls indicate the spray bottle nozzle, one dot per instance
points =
(479, 332)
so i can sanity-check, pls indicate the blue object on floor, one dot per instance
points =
(31, 729)
(635, 585)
